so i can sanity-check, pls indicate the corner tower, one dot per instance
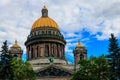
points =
(80, 53)
(45, 39)
(16, 50)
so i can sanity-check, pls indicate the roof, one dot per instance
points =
(79, 44)
(67, 68)
(15, 45)
(44, 21)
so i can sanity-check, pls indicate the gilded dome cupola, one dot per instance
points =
(15, 45)
(45, 39)
(79, 44)
(45, 21)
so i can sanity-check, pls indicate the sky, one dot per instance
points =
(90, 21)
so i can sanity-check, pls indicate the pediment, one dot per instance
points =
(52, 71)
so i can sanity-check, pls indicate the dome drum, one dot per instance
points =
(46, 31)
(44, 49)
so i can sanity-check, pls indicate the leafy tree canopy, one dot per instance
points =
(93, 69)
(14, 69)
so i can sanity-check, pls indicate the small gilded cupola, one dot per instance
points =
(16, 50)
(15, 45)
(79, 45)
(44, 11)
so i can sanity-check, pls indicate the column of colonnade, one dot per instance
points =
(35, 51)
(61, 51)
(38, 50)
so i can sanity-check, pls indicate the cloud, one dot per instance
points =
(4, 2)
(17, 17)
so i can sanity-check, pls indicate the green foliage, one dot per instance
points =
(114, 48)
(6, 71)
(93, 69)
(22, 70)
(13, 69)
(114, 57)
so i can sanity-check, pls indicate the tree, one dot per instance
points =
(93, 69)
(22, 70)
(14, 69)
(114, 57)
(6, 71)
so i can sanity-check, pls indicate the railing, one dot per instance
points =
(32, 37)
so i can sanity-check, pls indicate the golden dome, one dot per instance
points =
(15, 45)
(45, 21)
(79, 44)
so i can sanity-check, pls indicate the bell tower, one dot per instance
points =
(80, 53)
(16, 50)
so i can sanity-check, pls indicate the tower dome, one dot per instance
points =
(79, 45)
(44, 21)
(15, 45)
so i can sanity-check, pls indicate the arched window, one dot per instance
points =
(53, 32)
(81, 56)
(46, 50)
(58, 51)
(37, 51)
(39, 33)
(42, 32)
(53, 49)
(32, 53)
(35, 33)
(49, 32)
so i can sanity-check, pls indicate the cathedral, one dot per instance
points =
(45, 46)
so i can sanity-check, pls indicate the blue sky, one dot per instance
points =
(90, 21)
